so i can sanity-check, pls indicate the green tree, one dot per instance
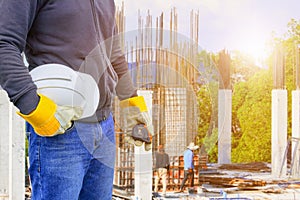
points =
(253, 141)
(208, 110)
(251, 101)
(242, 67)
(207, 101)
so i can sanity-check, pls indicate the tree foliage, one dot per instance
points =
(251, 102)
(253, 110)
(253, 141)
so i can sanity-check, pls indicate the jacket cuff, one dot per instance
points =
(28, 102)
(125, 88)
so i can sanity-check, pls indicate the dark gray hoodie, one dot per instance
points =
(80, 34)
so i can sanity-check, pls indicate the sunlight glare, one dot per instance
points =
(254, 45)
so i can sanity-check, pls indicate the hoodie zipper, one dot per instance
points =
(95, 19)
(97, 28)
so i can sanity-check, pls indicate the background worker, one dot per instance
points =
(162, 163)
(68, 162)
(188, 157)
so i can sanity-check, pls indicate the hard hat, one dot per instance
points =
(67, 87)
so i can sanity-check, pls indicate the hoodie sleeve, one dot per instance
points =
(125, 88)
(16, 19)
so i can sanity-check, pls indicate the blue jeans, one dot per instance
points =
(76, 165)
(188, 174)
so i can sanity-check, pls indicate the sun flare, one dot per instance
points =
(254, 45)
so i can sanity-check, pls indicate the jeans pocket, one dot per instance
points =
(71, 128)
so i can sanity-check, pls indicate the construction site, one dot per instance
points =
(166, 70)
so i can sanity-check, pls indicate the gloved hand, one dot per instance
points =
(49, 119)
(134, 111)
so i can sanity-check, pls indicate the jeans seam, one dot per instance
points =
(39, 166)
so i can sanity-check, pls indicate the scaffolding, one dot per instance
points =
(163, 61)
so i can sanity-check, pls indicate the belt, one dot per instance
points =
(95, 119)
(102, 119)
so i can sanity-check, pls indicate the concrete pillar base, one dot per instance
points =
(279, 133)
(224, 126)
(295, 165)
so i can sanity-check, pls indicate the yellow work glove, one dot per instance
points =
(49, 119)
(134, 111)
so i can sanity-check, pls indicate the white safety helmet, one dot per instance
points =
(67, 87)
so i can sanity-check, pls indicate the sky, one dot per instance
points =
(244, 25)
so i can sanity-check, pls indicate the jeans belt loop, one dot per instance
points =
(103, 119)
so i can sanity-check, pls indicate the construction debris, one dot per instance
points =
(290, 185)
(253, 167)
(244, 183)
(273, 189)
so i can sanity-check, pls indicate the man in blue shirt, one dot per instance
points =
(188, 157)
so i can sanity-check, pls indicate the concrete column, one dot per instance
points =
(279, 132)
(295, 134)
(224, 126)
(142, 173)
(143, 161)
(12, 151)
(18, 156)
(5, 148)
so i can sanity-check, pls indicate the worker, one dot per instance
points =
(188, 159)
(162, 164)
(69, 158)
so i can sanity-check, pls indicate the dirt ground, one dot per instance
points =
(251, 181)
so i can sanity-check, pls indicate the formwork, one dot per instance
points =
(176, 172)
